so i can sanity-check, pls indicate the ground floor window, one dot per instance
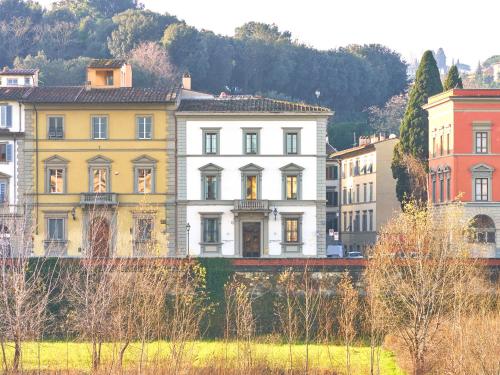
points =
(483, 229)
(211, 234)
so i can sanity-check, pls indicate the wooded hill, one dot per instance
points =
(258, 59)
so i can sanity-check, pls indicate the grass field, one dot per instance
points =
(61, 356)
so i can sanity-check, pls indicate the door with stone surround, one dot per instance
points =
(251, 239)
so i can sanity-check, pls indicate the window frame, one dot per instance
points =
(100, 126)
(216, 132)
(291, 247)
(138, 127)
(248, 171)
(210, 170)
(481, 127)
(62, 118)
(144, 162)
(246, 132)
(4, 180)
(6, 116)
(297, 132)
(485, 173)
(210, 248)
(291, 170)
(56, 246)
(9, 152)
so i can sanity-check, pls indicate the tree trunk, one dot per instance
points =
(17, 355)
(122, 353)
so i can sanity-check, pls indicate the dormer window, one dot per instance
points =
(109, 78)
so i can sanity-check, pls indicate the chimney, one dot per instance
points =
(186, 81)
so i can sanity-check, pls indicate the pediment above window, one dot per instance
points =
(99, 159)
(482, 168)
(144, 159)
(251, 168)
(292, 167)
(210, 167)
(4, 176)
(56, 159)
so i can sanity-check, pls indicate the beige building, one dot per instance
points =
(368, 190)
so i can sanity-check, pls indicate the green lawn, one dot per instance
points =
(76, 356)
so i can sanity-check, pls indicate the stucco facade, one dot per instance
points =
(464, 157)
(257, 222)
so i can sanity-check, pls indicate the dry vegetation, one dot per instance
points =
(423, 297)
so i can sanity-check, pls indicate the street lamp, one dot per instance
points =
(188, 227)
(275, 213)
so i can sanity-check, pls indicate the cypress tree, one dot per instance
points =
(414, 128)
(453, 80)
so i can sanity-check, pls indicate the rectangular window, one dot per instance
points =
(5, 116)
(434, 190)
(356, 221)
(441, 145)
(332, 172)
(356, 168)
(365, 192)
(345, 221)
(448, 143)
(291, 188)
(144, 180)
(291, 230)
(448, 187)
(350, 196)
(211, 143)
(251, 187)
(5, 152)
(251, 143)
(370, 220)
(481, 142)
(3, 191)
(144, 229)
(441, 189)
(364, 223)
(481, 189)
(99, 180)
(12, 82)
(211, 230)
(291, 140)
(210, 187)
(27, 81)
(329, 197)
(99, 127)
(56, 180)
(433, 146)
(109, 78)
(351, 169)
(56, 127)
(144, 127)
(371, 196)
(350, 222)
(357, 193)
(55, 228)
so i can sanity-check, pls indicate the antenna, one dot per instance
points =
(354, 140)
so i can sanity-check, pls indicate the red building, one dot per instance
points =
(464, 158)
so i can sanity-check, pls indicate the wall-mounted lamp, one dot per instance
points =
(188, 227)
(73, 213)
(275, 213)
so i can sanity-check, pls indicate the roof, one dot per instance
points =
(79, 94)
(359, 149)
(107, 63)
(18, 72)
(247, 104)
(13, 93)
(330, 149)
(462, 94)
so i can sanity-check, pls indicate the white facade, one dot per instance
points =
(271, 211)
(12, 125)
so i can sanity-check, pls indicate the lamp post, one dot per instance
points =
(188, 227)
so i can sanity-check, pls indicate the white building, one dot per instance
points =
(18, 77)
(250, 178)
(12, 126)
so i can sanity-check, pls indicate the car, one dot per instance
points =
(355, 255)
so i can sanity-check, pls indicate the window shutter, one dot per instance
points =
(9, 152)
(3, 116)
(9, 116)
(3, 190)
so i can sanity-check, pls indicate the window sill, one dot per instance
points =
(292, 243)
(210, 243)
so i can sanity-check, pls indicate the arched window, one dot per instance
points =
(483, 229)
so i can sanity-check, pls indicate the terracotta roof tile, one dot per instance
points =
(15, 72)
(247, 104)
(13, 93)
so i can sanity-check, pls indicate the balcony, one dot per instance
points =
(258, 205)
(99, 199)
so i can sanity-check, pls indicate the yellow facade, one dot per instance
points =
(120, 155)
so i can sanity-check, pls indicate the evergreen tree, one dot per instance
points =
(453, 80)
(414, 129)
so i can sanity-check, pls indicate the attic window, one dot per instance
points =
(109, 78)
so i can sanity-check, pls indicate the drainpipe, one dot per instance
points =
(176, 236)
(36, 169)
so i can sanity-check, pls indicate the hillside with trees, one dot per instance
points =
(258, 59)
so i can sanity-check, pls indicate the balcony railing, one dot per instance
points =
(251, 205)
(99, 198)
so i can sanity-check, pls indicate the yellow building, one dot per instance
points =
(102, 181)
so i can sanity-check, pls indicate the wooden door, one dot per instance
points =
(99, 238)
(251, 239)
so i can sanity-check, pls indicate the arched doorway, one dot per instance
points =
(99, 236)
(484, 230)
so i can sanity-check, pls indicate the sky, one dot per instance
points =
(466, 30)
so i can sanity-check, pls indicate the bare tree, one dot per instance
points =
(348, 303)
(27, 285)
(420, 255)
(387, 119)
